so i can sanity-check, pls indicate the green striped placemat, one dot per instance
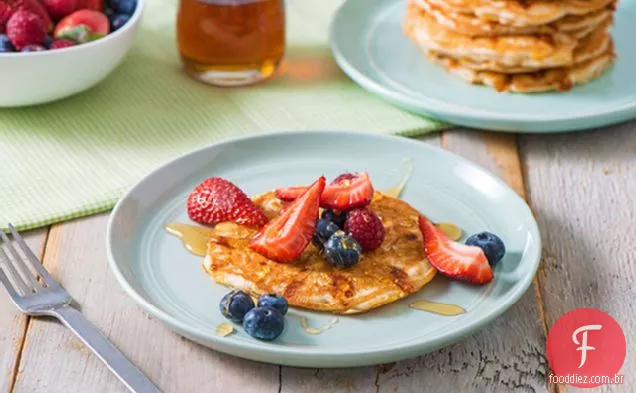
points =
(76, 157)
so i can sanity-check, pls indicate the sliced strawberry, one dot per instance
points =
(285, 237)
(452, 259)
(217, 200)
(290, 193)
(346, 192)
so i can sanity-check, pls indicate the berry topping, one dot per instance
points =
(342, 194)
(60, 44)
(365, 226)
(123, 6)
(235, 305)
(5, 13)
(33, 6)
(337, 218)
(264, 323)
(25, 28)
(217, 200)
(274, 301)
(58, 9)
(285, 237)
(83, 26)
(342, 250)
(491, 244)
(455, 260)
(324, 230)
(118, 20)
(5, 44)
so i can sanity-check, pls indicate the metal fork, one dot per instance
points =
(40, 295)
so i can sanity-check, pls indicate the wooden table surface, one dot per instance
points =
(581, 188)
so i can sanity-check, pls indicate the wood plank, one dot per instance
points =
(582, 190)
(53, 360)
(13, 324)
(508, 354)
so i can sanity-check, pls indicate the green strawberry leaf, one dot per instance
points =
(79, 34)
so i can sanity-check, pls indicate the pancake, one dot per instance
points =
(519, 12)
(471, 25)
(395, 270)
(559, 79)
(528, 51)
(590, 47)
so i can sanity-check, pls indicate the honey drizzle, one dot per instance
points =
(194, 238)
(451, 230)
(444, 309)
(304, 323)
(397, 189)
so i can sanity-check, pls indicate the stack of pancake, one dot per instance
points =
(522, 46)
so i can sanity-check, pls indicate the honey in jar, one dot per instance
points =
(231, 42)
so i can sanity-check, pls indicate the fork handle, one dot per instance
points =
(130, 375)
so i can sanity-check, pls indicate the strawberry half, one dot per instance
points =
(346, 192)
(285, 237)
(218, 200)
(452, 259)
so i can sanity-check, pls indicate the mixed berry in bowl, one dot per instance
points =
(41, 25)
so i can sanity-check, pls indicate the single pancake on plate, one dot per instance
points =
(395, 270)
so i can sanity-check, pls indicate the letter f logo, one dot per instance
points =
(583, 344)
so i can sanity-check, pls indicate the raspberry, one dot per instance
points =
(25, 28)
(365, 226)
(60, 44)
(58, 9)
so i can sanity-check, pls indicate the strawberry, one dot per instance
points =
(452, 259)
(216, 200)
(95, 5)
(365, 226)
(25, 29)
(58, 9)
(61, 44)
(347, 191)
(82, 26)
(5, 13)
(285, 237)
(33, 6)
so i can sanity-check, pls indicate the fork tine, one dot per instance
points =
(9, 288)
(19, 281)
(35, 262)
(22, 267)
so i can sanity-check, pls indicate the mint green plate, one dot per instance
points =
(369, 46)
(168, 282)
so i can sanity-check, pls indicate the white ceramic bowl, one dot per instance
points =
(37, 77)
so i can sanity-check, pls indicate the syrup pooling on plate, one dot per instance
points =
(451, 230)
(195, 238)
(397, 189)
(224, 329)
(444, 309)
(304, 323)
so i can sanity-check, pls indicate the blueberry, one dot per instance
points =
(264, 323)
(33, 48)
(123, 6)
(492, 245)
(322, 233)
(235, 305)
(118, 20)
(337, 218)
(342, 250)
(274, 301)
(47, 42)
(5, 44)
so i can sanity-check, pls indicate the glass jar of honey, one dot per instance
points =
(231, 42)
